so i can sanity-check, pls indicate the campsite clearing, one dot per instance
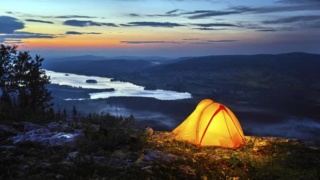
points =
(261, 158)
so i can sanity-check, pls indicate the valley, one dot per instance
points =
(266, 92)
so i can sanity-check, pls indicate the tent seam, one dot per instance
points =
(197, 128)
(205, 131)
(244, 141)
(227, 123)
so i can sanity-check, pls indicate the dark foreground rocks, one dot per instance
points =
(57, 151)
(49, 135)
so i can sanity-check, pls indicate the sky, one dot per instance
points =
(168, 28)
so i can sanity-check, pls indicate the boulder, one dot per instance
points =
(154, 155)
(51, 135)
(60, 139)
(7, 130)
(53, 126)
(58, 127)
(72, 155)
(28, 126)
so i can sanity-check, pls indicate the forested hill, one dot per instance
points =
(260, 71)
(288, 81)
(98, 67)
(298, 62)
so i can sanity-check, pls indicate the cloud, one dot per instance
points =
(134, 15)
(261, 10)
(172, 11)
(299, 1)
(74, 33)
(293, 19)
(126, 25)
(39, 21)
(80, 33)
(51, 17)
(16, 37)
(199, 14)
(191, 39)
(266, 30)
(154, 24)
(87, 23)
(205, 14)
(148, 42)
(209, 29)
(10, 41)
(94, 33)
(25, 35)
(214, 41)
(258, 27)
(201, 43)
(215, 25)
(198, 41)
(222, 41)
(72, 16)
(9, 24)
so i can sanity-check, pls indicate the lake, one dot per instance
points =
(121, 89)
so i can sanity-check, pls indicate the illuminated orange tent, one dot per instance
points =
(211, 124)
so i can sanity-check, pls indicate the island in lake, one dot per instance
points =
(91, 81)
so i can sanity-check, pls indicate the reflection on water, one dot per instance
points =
(120, 88)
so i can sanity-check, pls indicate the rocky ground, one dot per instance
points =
(61, 150)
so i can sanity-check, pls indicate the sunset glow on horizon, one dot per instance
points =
(169, 28)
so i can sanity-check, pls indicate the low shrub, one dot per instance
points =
(108, 133)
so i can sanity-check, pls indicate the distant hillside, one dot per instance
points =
(301, 62)
(147, 58)
(72, 58)
(287, 81)
(266, 71)
(98, 67)
(92, 57)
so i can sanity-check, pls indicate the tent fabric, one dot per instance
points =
(211, 124)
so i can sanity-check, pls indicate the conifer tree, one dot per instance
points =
(74, 112)
(22, 84)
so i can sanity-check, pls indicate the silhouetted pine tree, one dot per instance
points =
(22, 85)
(74, 112)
